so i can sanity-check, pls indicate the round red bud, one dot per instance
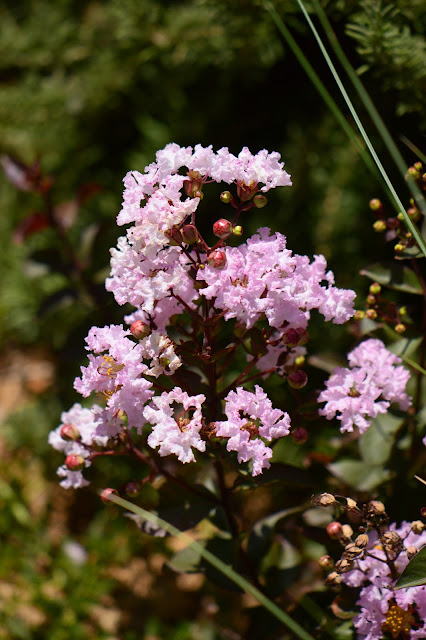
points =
(291, 338)
(133, 488)
(260, 201)
(74, 462)
(106, 493)
(189, 234)
(216, 259)
(69, 432)
(300, 435)
(335, 530)
(297, 379)
(139, 329)
(222, 228)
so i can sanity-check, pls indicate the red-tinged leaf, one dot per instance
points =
(26, 177)
(31, 224)
(87, 190)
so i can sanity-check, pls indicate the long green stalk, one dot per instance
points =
(283, 617)
(369, 105)
(311, 73)
(396, 200)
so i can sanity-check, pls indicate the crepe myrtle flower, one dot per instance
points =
(176, 430)
(373, 381)
(399, 613)
(251, 420)
(88, 428)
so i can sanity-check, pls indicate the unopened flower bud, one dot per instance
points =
(359, 315)
(69, 432)
(347, 531)
(371, 299)
(74, 462)
(326, 562)
(106, 493)
(351, 504)
(291, 338)
(225, 196)
(299, 435)
(371, 314)
(362, 540)
(189, 234)
(417, 527)
(335, 530)
(411, 552)
(418, 166)
(413, 173)
(375, 288)
(400, 328)
(174, 236)
(297, 379)
(400, 216)
(216, 259)
(222, 228)
(423, 512)
(376, 507)
(375, 205)
(237, 230)
(333, 579)
(260, 201)
(246, 191)
(132, 488)
(398, 247)
(379, 226)
(402, 311)
(139, 329)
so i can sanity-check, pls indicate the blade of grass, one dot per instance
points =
(369, 105)
(421, 156)
(219, 565)
(311, 73)
(395, 198)
(413, 364)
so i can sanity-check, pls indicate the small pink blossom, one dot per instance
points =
(357, 394)
(251, 420)
(176, 431)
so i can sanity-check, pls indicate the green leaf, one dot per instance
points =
(395, 276)
(375, 444)
(359, 474)
(186, 561)
(414, 574)
(291, 624)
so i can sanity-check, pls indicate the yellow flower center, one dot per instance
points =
(398, 621)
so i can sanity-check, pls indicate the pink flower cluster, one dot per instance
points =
(162, 274)
(251, 420)
(263, 277)
(401, 613)
(367, 388)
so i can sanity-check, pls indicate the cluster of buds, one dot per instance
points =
(395, 226)
(371, 517)
(377, 307)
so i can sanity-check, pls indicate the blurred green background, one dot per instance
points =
(92, 90)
